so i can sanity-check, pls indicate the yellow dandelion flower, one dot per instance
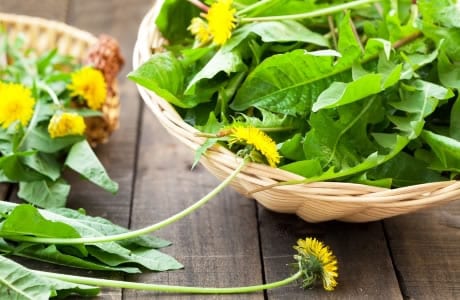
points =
(257, 138)
(16, 104)
(318, 262)
(221, 20)
(89, 84)
(62, 124)
(199, 28)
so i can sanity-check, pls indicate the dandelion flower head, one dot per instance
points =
(199, 28)
(317, 262)
(221, 20)
(89, 84)
(258, 139)
(16, 104)
(63, 124)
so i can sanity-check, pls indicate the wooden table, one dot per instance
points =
(232, 241)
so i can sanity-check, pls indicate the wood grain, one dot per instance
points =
(49, 9)
(365, 268)
(426, 252)
(119, 20)
(218, 244)
(3, 191)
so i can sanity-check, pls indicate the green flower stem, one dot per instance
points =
(50, 92)
(252, 7)
(168, 288)
(138, 232)
(33, 121)
(31, 125)
(311, 14)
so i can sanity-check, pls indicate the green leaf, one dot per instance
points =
(223, 61)
(289, 83)
(340, 137)
(373, 160)
(448, 72)
(36, 224)
(182, 13)
(363, 179)
(282, 7)
(276, 31)
(44, 163)
(18, 282)
(405, 170)
(340, 93)
(444, 12)
(105, 227)
(348, 46)
(132, 251)
(418, 100)
(212, 126)
(85, 112)
(44, 193)
(82, 159)
(446, 149)
(51, 254)
(45, 61)
(65, 288)
(39, 139)
(272, 121)
(306, 168)
(293, 149)
(375, 46)
(292, 93)
(14, 168)
(162, 74)
(415, 61)
(149, 258)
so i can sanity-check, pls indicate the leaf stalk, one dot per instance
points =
(138, 232)
(169, 288)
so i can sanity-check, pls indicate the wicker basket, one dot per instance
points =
(41, 35)
(313, 202)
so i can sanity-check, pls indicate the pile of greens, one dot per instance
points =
(28, 154)
(128, 256)
(367, 94)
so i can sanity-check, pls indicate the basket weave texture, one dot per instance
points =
(313, 202)
(42, 35)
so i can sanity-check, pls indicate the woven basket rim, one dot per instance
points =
(55, 24)
(313, 202)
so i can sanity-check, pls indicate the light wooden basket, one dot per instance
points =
(42, 35)
(313, 202)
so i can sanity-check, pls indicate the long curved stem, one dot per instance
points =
(320, 12)
(138, 232)
(252, 7)
(169, 288)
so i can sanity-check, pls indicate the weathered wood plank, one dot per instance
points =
(118, 156)
(218, 244)
(365, 268)
(3, 191)
(50, 9)
(426, 252)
